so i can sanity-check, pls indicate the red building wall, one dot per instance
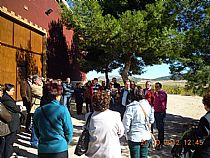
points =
(34, 11)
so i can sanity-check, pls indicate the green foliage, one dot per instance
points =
(133, 34)
(193, 60)
(176, 89)
(117, 7)
(130, 37)
(199, 82)
(94, 34)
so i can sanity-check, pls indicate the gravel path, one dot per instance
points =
(181, 111)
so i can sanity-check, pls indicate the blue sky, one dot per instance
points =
(152, 72)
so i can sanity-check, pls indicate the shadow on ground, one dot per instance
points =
(24, 153)
(175, 125)
(22, 146)
(73, 111)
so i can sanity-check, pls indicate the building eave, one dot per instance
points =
(19, 19)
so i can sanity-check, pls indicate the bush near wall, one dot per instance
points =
(175, 89)
(178, 90)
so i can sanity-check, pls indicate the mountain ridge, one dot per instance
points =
(119, 78)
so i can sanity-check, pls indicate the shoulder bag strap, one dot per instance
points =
(88, 120)
(51, 124)
(147, 122)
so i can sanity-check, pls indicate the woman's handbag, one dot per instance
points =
(5, 115)
(82, 144)
(4, 129)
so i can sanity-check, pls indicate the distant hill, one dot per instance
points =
(136, 79)
(110, 77)
(166, 80)
(162, 78)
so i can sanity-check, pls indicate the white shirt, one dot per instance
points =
(124, 98)
(105, 130)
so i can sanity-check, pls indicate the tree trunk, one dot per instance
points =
(106, 75)
(126, 69)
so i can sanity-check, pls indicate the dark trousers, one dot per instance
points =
(89, 107)
(79, 106)
(202, 152)
(159, 119)
(138, 150)
(27, 104)
(53, 155)
(122, 111)
(6, 145)
(152, 127)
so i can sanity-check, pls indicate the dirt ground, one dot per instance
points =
(181, 111)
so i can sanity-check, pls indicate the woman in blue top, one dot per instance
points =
(53, 125)
(137, 116)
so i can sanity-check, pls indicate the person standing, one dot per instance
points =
(37, 93)
(25, 92)
(6, 146)
(137, 116)
(126, 97)
(87, 96)
(53, 126)
(2, 141)
(149, 95)
(160, 103)
(113, 93)
(68, 91)
(79, 97)
(116, 85)
(203, 131)
(103, 86)
(1, 91)
(105, 129)
(134, 89)
(95, 88)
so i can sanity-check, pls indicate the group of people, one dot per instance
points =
(139, 109)
(134, 108)
(115, 111)
(47, 121)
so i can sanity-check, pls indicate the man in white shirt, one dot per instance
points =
(126, 97)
